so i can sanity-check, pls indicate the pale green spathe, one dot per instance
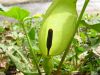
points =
(61, 18)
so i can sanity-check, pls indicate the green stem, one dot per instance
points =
(48, 65)
(77, 24)
(31, 49)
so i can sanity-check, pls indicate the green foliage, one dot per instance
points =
(48, 65)
(1, 9)
(94, 26)
(26, 54)
(18, 58)
(1, 29)
(16, 13)
(92, 63)
(31, 34)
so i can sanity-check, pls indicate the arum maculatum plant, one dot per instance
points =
(58, 27)
(57, 30)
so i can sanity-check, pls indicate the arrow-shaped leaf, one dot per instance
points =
(94, 26)
(16, 13)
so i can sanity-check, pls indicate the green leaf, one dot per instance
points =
(21, 64)
(1, 9)
(83, 36)
(48, 65)
(1, 29)
(94, 26)
(16, 13)
(79, 50)
(31, 34)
